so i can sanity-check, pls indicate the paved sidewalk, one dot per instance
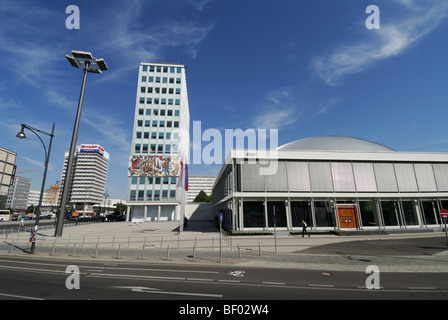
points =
(200, 243)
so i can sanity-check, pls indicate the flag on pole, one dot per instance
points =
(186, 176)
(181, 173)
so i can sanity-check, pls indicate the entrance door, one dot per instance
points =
(347, 217)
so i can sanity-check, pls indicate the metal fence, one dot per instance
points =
(208, 247)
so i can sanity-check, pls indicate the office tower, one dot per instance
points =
(51, 196)
(88, 179)
(160, 142)
(198, 183)
(18, 193)
(7, 171)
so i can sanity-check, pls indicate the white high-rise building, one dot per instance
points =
(88, 180)
(160, 141)
(198, 183)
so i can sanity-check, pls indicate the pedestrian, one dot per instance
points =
(304, 226)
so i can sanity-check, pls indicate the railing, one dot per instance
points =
(208, 247)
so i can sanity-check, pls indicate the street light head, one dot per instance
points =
(21, 134)
(102, 64)
(72, 61)
(82, 54)
(85, 60)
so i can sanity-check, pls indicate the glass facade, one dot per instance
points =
(335, 194)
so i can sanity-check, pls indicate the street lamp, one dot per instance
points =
(89, 64)
(21, 135)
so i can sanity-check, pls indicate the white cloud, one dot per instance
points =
(279, 112)
(9, 103)
(148, 44)
(326, 107)
(391, 40)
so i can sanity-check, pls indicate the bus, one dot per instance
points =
(5, 215)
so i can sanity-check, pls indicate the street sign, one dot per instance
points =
(444, 214)
(220, 217)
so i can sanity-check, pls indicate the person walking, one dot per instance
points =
(304, 226)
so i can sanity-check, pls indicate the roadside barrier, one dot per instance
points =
(207, 247)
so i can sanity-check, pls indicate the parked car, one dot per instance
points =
(115, 217)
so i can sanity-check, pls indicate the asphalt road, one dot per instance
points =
(30, 278)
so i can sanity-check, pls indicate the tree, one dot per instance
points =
(120, 208)
(30, 209)
(202, 197)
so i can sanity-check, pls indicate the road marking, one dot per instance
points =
(198, 279)
(233, 281)
(127, 276)
(20, 297)
(321, 285)
(158, 291)
(237, 273)
(274, 283)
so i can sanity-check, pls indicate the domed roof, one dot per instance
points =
(335, 143)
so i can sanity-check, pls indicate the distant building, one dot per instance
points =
(18, 194)
(33, 198)
(52, 196)
(7, 160)
(88, 179)
(198, 183)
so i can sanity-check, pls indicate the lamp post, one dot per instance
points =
(21, 135)
(89, 64)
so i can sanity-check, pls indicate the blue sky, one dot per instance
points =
(307, 68)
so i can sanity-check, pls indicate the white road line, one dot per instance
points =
(199, 279)
(158, 291)
(127, 276)
(321, 285)
(20, 297)
(274, 283)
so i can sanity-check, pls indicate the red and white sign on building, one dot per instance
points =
(444, 214)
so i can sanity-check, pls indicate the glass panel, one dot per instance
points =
(253, 214)
(425, 177)
(277, 181)
(428, 207)
(364, 177)
(390, 212)
(385, 177)
(298, 176)
(280, 214)
(342, 176)
(323, 212)
(301, 210)
(405, 177)
(368, 216)
(251, 178)
(441, 173)
(409, 212)
(320, 175)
